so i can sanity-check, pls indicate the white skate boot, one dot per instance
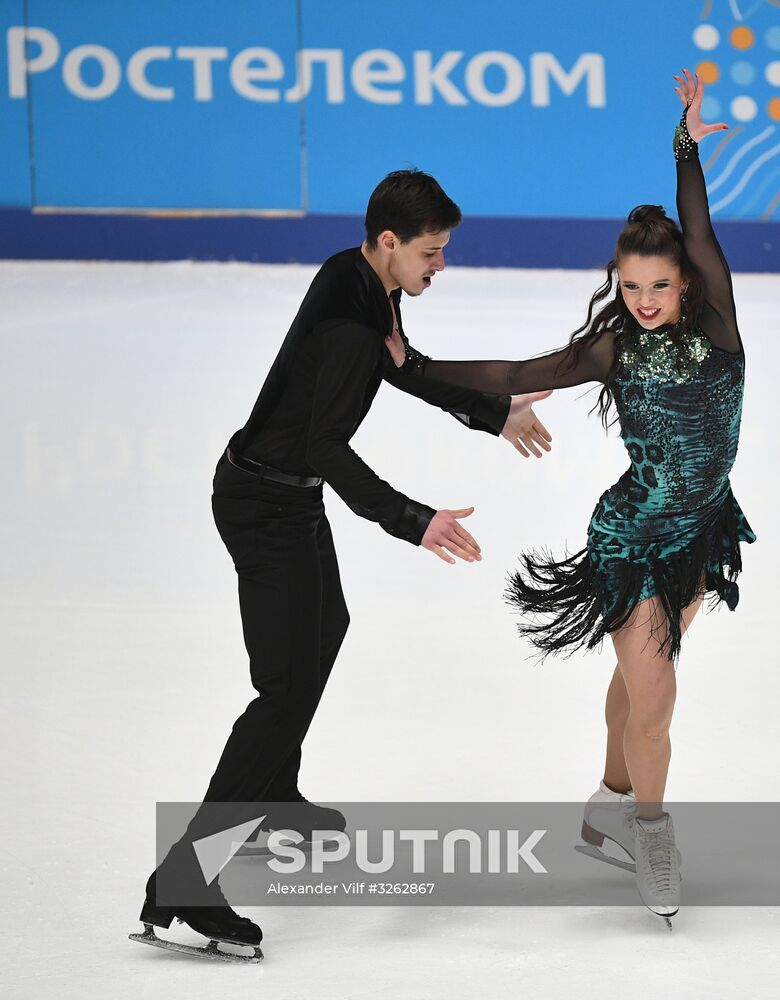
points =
(609, 815)
(657, 868)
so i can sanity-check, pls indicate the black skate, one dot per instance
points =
(296, 814)
(217, 922)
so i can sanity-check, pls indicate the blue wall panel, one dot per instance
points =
(215, 150)
(564, 158)
(523, 111)
(15, 186)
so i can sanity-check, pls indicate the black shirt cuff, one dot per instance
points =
(413, 522)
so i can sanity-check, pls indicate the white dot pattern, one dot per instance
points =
(744, 108)
(706, 37)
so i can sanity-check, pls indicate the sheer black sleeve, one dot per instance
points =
(558, 370)
(718, 319)
(475, 410)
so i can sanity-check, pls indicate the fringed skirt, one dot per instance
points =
(631, 555)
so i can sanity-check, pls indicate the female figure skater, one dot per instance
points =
(667, 351)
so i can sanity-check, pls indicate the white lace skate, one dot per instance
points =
(609, 816)
(657, 869)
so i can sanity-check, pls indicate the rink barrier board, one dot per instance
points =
(481, 241)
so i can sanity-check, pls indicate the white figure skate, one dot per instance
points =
(657, 867)
(609, 816)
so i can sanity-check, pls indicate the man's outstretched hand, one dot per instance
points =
(444, 532)
(523, 430)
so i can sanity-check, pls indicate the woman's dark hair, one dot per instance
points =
(409, 203)
(649, 232)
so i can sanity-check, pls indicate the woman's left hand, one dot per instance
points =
(690, 90)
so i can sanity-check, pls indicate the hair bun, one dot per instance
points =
(647, 213)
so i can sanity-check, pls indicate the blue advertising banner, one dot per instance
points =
(150, 105)
(522, 110)
(15, 158)
(518, 108)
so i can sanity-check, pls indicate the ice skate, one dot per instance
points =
(658, 873)
(609, 816)
(217, 922)
(299, 815)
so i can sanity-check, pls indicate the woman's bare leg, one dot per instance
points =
(616, 714)
(650, 684)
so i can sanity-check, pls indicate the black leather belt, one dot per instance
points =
(269, 472)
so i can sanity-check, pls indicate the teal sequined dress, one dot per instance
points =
(681, 432)
(670, 528)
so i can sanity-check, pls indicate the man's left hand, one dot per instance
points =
(523, 429)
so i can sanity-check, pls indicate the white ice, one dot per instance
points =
(123, 665)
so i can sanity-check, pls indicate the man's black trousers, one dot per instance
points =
(294, 619)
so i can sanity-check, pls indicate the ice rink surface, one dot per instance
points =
(123, 665)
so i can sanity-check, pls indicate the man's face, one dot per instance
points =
(412, 265)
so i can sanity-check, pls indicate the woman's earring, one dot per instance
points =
(683, 305)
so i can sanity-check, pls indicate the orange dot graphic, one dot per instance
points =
(774, 108)
(708, 71)
(742, 37)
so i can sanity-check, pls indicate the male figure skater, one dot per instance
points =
(269, 510)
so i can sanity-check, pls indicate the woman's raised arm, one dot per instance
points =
(718, 319)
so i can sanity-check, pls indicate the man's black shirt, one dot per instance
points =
(322, 384)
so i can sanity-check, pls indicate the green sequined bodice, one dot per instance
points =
(654, 356)
(680, 423)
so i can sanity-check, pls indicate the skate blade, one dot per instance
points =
(593, 852)
(666, 917)
(211, 950)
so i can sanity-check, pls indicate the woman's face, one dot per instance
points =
(651, 288)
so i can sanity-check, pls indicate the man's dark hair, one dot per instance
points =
(409, 203)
